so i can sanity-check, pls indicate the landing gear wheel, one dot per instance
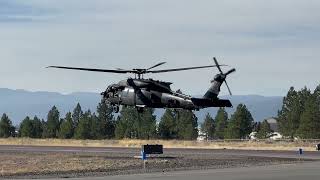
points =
(140, 109)
(116, 109)
(194, 116)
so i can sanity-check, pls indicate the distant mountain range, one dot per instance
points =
(20, 103)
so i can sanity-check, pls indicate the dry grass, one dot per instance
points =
(44, 163)
(245, 145)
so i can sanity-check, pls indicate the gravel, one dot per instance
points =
(83, 164)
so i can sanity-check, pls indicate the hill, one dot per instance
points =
(261, 107)
(20, 103)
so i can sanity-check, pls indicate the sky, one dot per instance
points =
(273, 44)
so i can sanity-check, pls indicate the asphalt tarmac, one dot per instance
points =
(303, 171)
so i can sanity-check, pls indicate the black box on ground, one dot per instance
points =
(318, 147)
(152, 149)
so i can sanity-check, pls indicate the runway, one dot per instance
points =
(305, 171)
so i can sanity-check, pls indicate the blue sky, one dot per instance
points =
(274, 44)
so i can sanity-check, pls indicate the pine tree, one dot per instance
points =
(264, 130)
(32, 128)
(309, 127)
(241, 124)
(233, 129)
(126, 125)
(134, 125)
(6, 127)
(317, 94)
(168, 125)
(221, 121)
(137, 123)
(106, 122)
(303, 96)
(147, 128)
(289, 115)
(121, 128)
(53, 123)
(66, 127)
(208, 127)
(187, 125)
(26, 128)
(76, 116)
(84, 126)
(256, 127)
(94, 127)
(44, 129)
(37, 128)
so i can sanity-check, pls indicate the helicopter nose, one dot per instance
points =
(104, 94)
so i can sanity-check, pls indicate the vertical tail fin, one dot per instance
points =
(215, 88)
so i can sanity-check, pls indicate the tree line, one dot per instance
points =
(239, 126)
(298, 117)
(78, 124)
(174, 124)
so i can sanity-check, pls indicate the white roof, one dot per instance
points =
(272, 121)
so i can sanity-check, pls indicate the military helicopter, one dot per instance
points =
(143, 93)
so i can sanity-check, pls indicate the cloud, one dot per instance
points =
(15, 12)
(273, 44)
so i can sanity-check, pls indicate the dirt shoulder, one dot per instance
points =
(22, 164)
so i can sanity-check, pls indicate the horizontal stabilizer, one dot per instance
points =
(201, 102)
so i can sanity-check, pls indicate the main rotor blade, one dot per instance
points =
(94, 70)
(217, 64)
(228, 88)
(231, 71)
(181, 69)
(156, 65)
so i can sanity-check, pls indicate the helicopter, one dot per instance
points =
(149, 93)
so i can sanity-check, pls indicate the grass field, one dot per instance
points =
(229, 144)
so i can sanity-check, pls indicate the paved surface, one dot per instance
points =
(305, 171)
(280, 154)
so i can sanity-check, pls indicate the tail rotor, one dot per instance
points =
(224, 75)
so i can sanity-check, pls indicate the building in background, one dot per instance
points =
(274, 135)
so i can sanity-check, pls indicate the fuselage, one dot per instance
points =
(147, 93)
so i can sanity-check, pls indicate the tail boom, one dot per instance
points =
(205, 103)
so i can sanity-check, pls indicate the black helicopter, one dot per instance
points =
(142, 93)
